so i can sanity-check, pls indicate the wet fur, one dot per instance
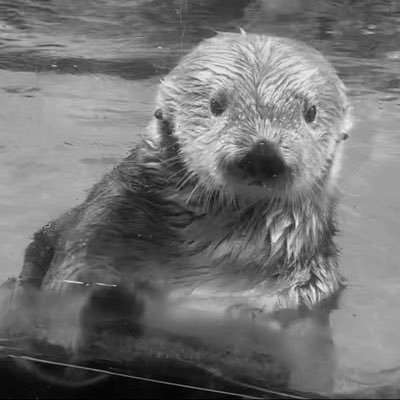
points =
(168, 225)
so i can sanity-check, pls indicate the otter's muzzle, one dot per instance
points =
(262, 163)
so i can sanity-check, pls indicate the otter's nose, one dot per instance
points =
(263, 162)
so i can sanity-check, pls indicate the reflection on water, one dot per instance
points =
(77, 81)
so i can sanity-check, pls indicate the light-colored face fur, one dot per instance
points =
(265, 86)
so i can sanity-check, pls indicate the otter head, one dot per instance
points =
(255, 117)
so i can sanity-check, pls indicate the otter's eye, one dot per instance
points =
(217, 107)
(310, 114)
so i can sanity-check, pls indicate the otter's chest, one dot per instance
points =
(222, 265)
(223, 244)
(247, 250)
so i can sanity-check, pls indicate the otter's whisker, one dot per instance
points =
(185, 179)
(178, 172)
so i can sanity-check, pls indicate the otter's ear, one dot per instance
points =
(158, 114)
(347, 123)
(164, 125)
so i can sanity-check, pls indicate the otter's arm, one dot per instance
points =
(38, 256)
(40, 252)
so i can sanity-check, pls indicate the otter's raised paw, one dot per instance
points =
(107, 315)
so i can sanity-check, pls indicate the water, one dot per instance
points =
(77, 81)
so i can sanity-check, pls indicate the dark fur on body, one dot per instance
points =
(167, 225)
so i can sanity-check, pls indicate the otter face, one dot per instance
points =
(256, 116)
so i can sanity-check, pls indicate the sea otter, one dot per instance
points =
(226, 204)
